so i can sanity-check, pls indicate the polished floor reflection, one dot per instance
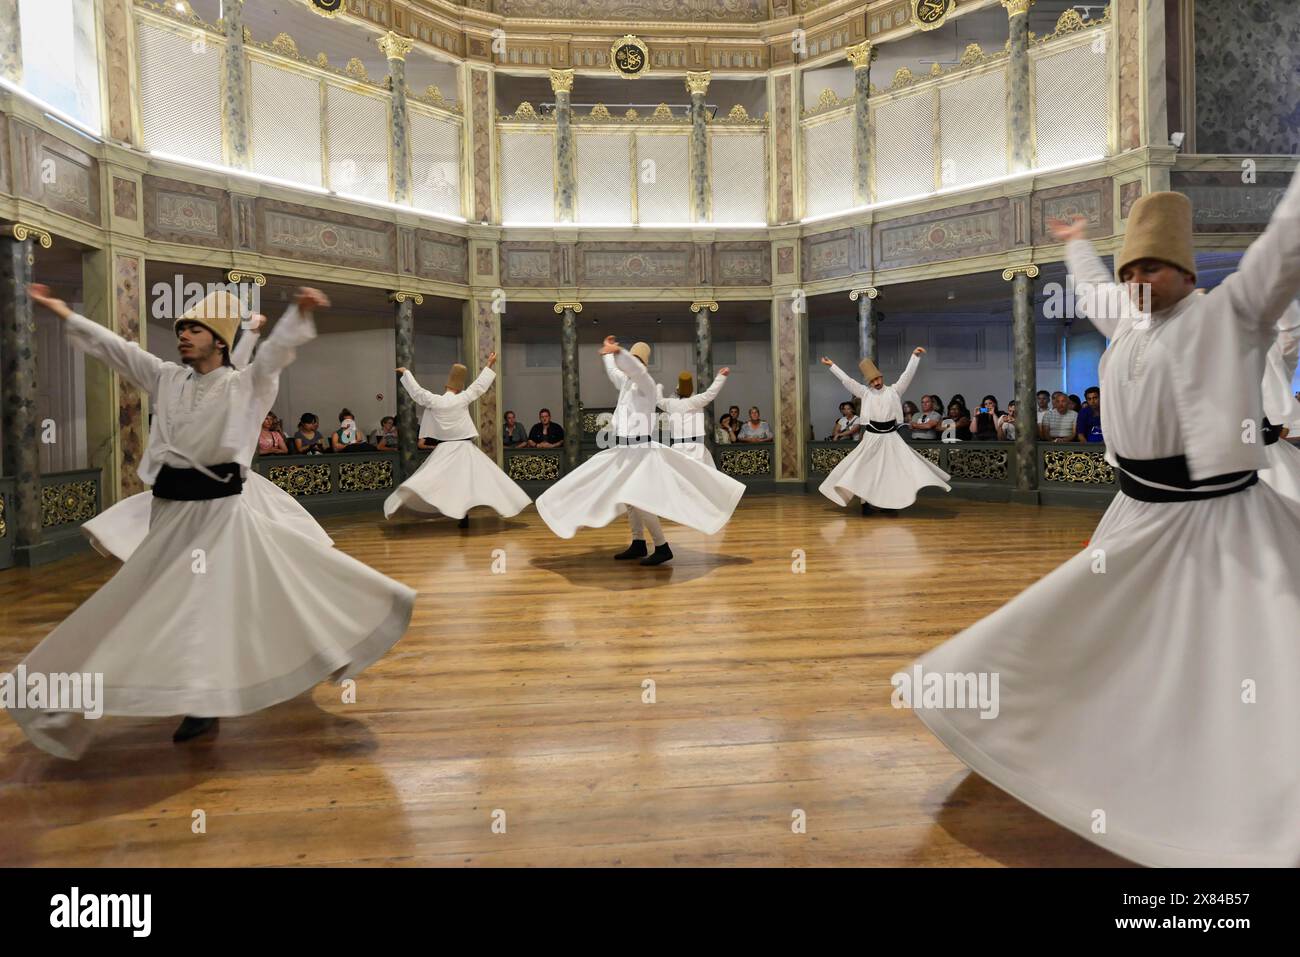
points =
(552, 707)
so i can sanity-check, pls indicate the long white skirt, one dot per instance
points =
(696, 450)
(454, 478)
(118, 532)
(1283, 472)
(1156, 698)
(219, 612)
(652, 478)
(882, 471)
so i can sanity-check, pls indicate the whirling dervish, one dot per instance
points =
(456, 476)
(1281, 410)
(686, 414)
(882, 470)
(638, 475)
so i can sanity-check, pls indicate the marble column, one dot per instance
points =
(1024, 364)
(119, 103)
(234, 105)
(783, 90)
(482, 143)
(408, 417)
(701, 195)
(481, 336)
(790, 385)
(395, 49)
(1019, 112)
(21, 460)
(704, 360)
(11, 42)
(868, 322)
(860, 56)
(569, 382)
(565, 191)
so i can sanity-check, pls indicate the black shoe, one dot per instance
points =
(463, 523)
(662, 554)
(193, 727)
(636, 550)
(867, 509)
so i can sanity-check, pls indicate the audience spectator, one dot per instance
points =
(386, 437)
(909, 410)
(347, 437)
(985, 426)
(512, 433)
(736, 420)
(1075, 403)
(755, 430)
(1044, 403)
(957, 424)
(1088, 426)
(724, 434)
(926, 424)
(546, 434)
(1059, 421)
(270, 441)
(1007, 423)
(847, 425)
(308, 440)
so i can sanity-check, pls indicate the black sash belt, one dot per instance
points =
(881, 428)
(688, 440)
(1173, 471)
(1272, 433)
(632, 439)
(191, 485)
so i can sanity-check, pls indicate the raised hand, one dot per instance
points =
(309, 300)
(255, 322)
(610, 347)
(826, 361)
(918, 351)
(725, 370)
(1064, 232)
(40, 294)
(401, 370)
(491, 359)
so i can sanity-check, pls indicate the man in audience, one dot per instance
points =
(1059, 421)
(846, 426)
(1088, 426)
(546, 434)
(386, 437)
(1044, 403)
(927, 423)
(512, 433)
(736, 420)
(1007, 423)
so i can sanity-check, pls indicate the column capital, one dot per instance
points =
(1011, 272)
(561, 81)
(559, 307)
(401, 295)
(860, 54)
(708, 304)
(698, 82)
(1017, 6)
(21, 231)
(395, 47)
(871, 292)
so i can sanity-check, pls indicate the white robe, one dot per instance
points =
(456, 476)
(1281, 408)
(686, 419)
(219, 611)
(649, 477)
(882, 470)
(118, 531)
(1148, 685)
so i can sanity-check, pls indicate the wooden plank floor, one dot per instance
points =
(522, 692)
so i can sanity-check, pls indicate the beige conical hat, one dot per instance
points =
(219, 313)
(685, 385)
(642, 351)
(456, 378)
(1159, 227)
(869, 370)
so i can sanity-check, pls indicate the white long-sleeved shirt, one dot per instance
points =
(886, 403)
(1280, 405)
(635, 413)
(1186, 380)
(446, 417)
(198, 420)
(686, 416)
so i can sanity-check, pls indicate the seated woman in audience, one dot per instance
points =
(270, 441)
(909, 410)
(985, 425)
(386, 437)
(847, 426)
(957, 424)
(928, 423)
(308, 440)
(347, 437)
(1007, 423)
(724, 434)
(755, 430)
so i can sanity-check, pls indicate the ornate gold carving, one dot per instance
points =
(972, 55)
(283, 43)
(247, 35)
(631, 114)
(524, 111)
(562, 81)
(183, 7)
(67, 503)
(860, 54)
(752, 461)
(365, 476)
(21, 231)
(600, 112)
(978, 463)
(357, 70)
(698, 82)
(323, 61)
(902, 77)
(930, 455)
(936, 69)
(708, 304)
(300, 480)
(662, 112)
(871, 292)
(629, 57)
(823, 459)
(325, 8)
(1018, 6)
(236, 276)
(533, 466)
(1029, 270)
(737, 114)
(402, 295)
(394, 47)
(1077, 467)
(930, 14)
(559, 307)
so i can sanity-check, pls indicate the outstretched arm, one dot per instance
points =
(853, 385)
(632, 368)
(1268, 278)
(611, 369)
(1099, 297)
(711, 393)
(243, 351)
(134, 364)
(479, 385)
(905, 379)
(422, 397)
(296, 327)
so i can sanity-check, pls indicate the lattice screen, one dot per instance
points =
(663, 178)
(973, 129)
(739, 173)
(284, 123)
(903, 146)
(527, 176)
(356, 135)
(1072, 112)
(180, 93)
(603, 171)
(828, 165)
(435, 164)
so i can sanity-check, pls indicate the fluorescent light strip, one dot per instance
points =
(513, 224)
(53, 111)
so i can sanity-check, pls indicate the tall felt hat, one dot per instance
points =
(642, 351)
(685, 384)
(456, 378)
(219, 313)
(1159, 227)
(869, 370)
